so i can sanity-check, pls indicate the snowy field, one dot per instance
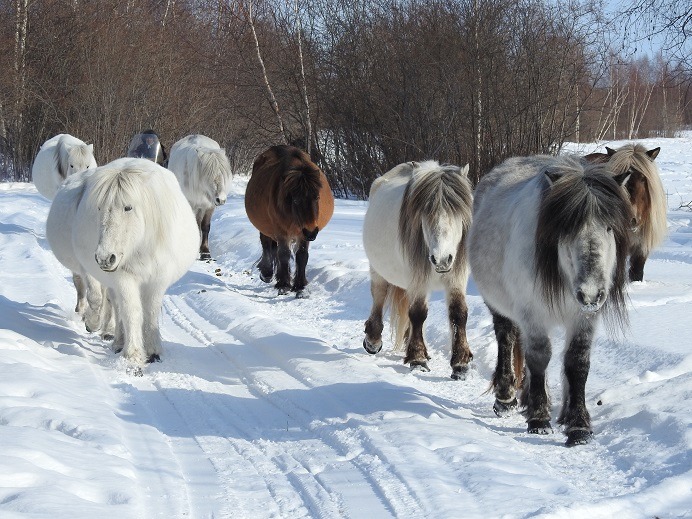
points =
(268, 407)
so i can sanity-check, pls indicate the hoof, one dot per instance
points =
(108, 336)
(154, 357)
(266, 279)
(539, 427)
(204, 256)
(419, 365)
(117, 348)
(302, 294)
(503, 409)
(372, 348)
(283, 291)
(459, 372)
(578, 437)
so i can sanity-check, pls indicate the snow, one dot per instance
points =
(268, 406)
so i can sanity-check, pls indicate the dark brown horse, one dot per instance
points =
(288, 200)
(646, 195)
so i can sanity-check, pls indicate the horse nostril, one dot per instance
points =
(449, 259)
(433, 260)
(111, 259)
(601, 296)
(580, 297)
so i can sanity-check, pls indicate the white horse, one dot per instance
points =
(58, 158)
(134, 231)
(548, 247)
(92, 301)
(204, 173)
(414, 235)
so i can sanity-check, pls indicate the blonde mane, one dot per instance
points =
(654, 226)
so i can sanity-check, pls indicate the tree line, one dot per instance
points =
(361, 84)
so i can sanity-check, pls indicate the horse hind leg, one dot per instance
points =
(152, 299)
(205, 227)
(80, 285)
(534, 395)
(416, 351)
(373, 326)
(461, 353)
(267, 262)
(283, 268)
(93, 310)
(300, 280)
(574, 416)
(504, 382)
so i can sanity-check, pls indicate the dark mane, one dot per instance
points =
(432, 190)
(568, 204)
(300, 186)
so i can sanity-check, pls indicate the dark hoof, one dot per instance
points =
(153, 358)
(372, 348)
(539, 427)
(283, 291)
(266, 279)
(459, 372)
(204, 256)
(578, 437)
(502, 409)
(117, 349)
(108, 337)
(302, 294)
(419, 365)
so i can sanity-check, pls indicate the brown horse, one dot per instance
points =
(288, 200)
(646, 195)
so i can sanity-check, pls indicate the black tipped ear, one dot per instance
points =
(610, 151)
(653, 153)
(622, 178)
(552, 176)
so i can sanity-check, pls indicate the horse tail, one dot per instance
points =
(398, 319)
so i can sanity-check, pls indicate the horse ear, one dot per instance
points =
(464, 171)
(552, 176)
(622, 178)
(653, 153)
(91, 148)
(610, 151)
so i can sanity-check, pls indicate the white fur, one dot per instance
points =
(60, 153)
(381, 229)
(148, 231)
(202, 169)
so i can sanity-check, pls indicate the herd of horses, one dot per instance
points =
(550, 241)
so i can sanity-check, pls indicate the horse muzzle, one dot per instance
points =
(590, 304)
(442, 266)
(219, 201)
(107, 263)
(310, 235)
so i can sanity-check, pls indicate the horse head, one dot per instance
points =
(122, 213)
(299, 198)
(215, 174)
(75, 158)
(436, 214)
(582, 237)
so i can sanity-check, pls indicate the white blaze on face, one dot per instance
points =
(442, 237)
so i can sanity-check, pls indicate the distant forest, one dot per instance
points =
(361, 84)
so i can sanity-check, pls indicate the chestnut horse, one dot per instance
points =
(646, 195)
(288, 200)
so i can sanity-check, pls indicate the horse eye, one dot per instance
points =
(609, 229)
(128, 208)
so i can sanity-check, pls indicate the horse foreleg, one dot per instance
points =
(574, 415)
(152, 298)
(267, 262)
(94, 296)
(458, 314)
(300, 280)
(637, 260)
(204, 227)
(416, 352)
(107, 321)
(534, 396)
(504, 381)
(131, 317)
(283, 270)
(373, 326)
(80, 285)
